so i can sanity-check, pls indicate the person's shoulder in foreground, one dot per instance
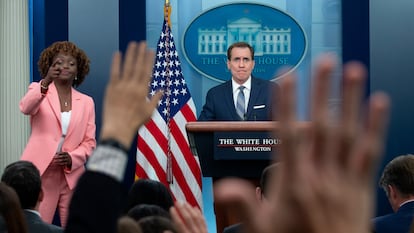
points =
(235, 228)
(11, 214)
(37, 225)
(24, 177)
(397, 181)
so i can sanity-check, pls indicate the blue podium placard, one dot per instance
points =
(244, 145)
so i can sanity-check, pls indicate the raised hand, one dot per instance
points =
(126, 106)
(326, 183)
(52, 73)
(188, 219)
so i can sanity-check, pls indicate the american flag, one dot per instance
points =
(163, 151)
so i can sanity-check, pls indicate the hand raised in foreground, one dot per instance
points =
(326, 183)
(188, 219)
(126, 106)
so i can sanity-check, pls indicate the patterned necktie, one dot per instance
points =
(240, 103)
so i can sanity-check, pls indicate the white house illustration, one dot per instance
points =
(265, 40)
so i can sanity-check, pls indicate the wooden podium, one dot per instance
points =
(228, 148)
(216, 144)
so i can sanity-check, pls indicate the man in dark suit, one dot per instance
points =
(243, 97)
(397, 181)
(24, 178)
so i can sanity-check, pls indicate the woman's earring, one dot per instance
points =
(76, 77)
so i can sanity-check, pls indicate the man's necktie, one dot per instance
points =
(241, 103)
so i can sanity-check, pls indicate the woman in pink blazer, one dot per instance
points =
(62, 125)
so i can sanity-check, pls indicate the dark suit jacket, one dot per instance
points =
(398, 222)
(37, 225)
(219, 104)
(96, 204)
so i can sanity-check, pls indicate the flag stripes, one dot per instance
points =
(163, 140)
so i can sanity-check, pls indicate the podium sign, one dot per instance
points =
(210, 141)
(244, 145)
(235, 148)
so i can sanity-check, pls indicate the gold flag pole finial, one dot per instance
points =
(167, 11)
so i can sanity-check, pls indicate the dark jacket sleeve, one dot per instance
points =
(96, 204)
(208, 111)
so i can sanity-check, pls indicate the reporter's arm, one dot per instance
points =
(96, 202)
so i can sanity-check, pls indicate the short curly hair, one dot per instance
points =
(69, 48)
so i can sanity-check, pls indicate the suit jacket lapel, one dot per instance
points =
(76, 110)
(54, 102)
(254, 93)
(53, 98)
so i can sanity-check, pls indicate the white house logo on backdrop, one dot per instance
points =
(278, 40)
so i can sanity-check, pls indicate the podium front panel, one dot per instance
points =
(216, 167)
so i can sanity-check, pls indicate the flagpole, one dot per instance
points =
(169, 170)
(167, 12)
(163, 137)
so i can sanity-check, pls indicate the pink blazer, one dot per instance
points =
(45, 121)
